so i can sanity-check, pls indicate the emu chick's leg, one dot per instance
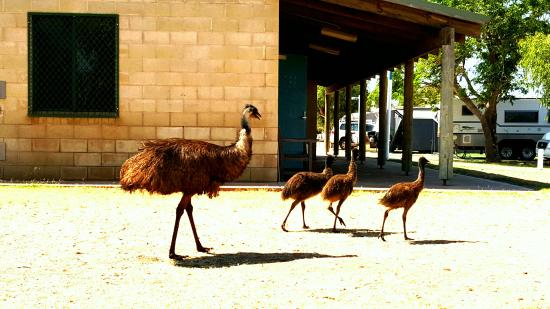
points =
(283, 226)
(179, 211)
(303, 215)
(405, 224)
(337, 212)
(200, 248)
(381, 235)
(339, 219)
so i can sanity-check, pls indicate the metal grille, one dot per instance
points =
(73, 65)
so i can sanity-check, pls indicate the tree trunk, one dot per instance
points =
(489, 132)
(488, 120)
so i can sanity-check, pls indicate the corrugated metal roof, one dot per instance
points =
(442, 10)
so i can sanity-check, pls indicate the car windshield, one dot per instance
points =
(355, 127)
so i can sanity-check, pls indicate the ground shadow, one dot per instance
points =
(353, 232)
(249, 258)
(439, 242)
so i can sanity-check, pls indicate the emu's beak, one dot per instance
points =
(257, 115)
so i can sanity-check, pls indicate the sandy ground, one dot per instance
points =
(82, 247)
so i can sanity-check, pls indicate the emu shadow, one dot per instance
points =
(439, 242)
(248, 258)
(353, 232)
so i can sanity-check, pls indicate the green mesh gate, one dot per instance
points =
(73, 65)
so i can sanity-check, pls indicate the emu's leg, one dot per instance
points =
(336, 214)
(339, 219)
(200, 248)
(179, 211)
(303, 215)
(289, 211)
(404, 224)
(381, 235)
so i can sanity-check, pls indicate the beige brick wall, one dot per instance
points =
(186, 70)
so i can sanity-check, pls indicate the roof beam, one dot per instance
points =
(410, 14)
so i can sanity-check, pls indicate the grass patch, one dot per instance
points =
(535, 185)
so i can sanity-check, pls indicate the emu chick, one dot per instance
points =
(403, 195)
(339, 187)
(304, 185)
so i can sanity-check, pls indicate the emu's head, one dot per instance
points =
(423, 161)
(251, 111)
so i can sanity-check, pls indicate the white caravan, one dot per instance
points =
(520, 124)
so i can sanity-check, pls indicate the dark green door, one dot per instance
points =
(292, 104)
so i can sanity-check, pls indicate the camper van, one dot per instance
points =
(520, 124)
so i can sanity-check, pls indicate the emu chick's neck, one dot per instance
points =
(327, 172)
(352, 170)
(421, 176)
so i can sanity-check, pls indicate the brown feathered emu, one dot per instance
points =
(304, 185)
(403, 195)
(339, 187)
(188, 166)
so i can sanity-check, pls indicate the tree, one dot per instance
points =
(497, 54)
(425, 91)
(535, 52)
(341, 112)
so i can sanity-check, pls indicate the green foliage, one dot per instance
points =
(342, 103)
(536, 63)
(487, 68)
(425, 87)
(497, 51)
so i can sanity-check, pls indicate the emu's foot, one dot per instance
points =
(284, 227)
(176, 257)
(305, 227)
(341, 221)
(381, 236)
(335, 230)
(408, 238)
(203, 249)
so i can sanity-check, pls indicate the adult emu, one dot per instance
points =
(188, 166)
(403, 195)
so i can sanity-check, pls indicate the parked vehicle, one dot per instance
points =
(371, 128)
(425, 124)
(372, 134)
(520, 124)
(544, 143)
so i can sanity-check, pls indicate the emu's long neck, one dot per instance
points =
(421, 175)
(352, 170)
(327, 171)
(245, 138)
(244, 124)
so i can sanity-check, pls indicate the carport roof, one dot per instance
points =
(377, 35)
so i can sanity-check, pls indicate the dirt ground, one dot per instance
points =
(101, 247)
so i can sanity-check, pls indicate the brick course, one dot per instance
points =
(186, 69)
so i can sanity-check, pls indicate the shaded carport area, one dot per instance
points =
(347, 42)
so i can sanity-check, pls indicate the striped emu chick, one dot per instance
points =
(190, 167)
(339, 187)
(403, 195)
(304, 185)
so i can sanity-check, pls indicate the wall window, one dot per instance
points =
(466, 111)
(73, 65)
(521, 116)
